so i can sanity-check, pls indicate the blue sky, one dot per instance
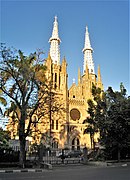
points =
(27, 25)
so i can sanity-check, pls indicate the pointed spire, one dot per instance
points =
(99, 80)
(54, 43)
(79, 76)
(48, 61)
(87, 44)
(99, 74)
(55, 35)
(73, 80)
(49, 57)
(64, 66)
(87, 50)
(64, 59)
(87, 71)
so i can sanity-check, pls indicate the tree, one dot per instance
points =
(115, 136)
(91, 127)
(94, 111)
(109, 115)
(4, 137)
(22, 79)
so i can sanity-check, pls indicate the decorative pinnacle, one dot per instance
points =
(56, 18)
(55, 35)
(87, 44)
(73, 80)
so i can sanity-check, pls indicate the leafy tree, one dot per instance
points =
(4, 137)
(115, 135)
(91, 127)
(110, 116)
(94, 111)
(22, 80)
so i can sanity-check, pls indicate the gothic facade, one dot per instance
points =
(68, 129)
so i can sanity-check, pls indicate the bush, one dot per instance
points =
(8, 155)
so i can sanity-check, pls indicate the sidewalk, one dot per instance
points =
(105, 164)
(50, 167)
(21, 170)
(41, 168)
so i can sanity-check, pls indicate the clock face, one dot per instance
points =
(75, 114)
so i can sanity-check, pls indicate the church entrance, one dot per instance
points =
(75, 144)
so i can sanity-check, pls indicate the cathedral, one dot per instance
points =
(67, 128)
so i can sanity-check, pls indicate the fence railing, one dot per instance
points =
(57, 161)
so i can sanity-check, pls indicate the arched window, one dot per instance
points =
(52, 124)
(78, 144)
(73, 144)
(56, 124)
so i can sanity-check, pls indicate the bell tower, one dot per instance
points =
(56, 73)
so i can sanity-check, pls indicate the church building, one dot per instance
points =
(68, 130)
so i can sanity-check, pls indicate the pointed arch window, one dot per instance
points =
(56, 124)
(55, 77)
(73, 144)
(52, 124)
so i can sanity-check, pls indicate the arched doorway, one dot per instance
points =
(75, 145)
(55, 143)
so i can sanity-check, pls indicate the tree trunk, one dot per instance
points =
(22, 138)
(93, 144)
(91, 139)
(22, 157)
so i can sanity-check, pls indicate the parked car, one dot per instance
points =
(75, 153)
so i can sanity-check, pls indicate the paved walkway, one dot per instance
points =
(49, 167)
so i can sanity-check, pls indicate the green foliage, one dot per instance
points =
(115, 135)
(109, 114)
(94, 111)
(21, 83)
(4, 137)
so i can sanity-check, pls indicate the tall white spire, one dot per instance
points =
(87, 50)
(54, 43)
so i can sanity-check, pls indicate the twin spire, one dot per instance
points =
(55, 49)
(87, 44)
(55, 35)
(88, 58)
(54, 44)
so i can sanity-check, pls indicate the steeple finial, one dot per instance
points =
(55, 31)
(99, 74)
(87, 44)
(54, 43)
(55, 18)
(87, 50)
(73, 80)
(79, 76)
(99, 80)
